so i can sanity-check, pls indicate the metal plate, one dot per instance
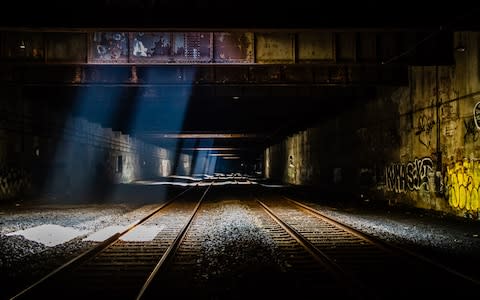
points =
(275, 48)
(109, 47)
(233, 47)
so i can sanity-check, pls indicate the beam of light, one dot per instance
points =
(203, 163)
(231, 157)
(211, 165)
(164, 111)
(78, 165)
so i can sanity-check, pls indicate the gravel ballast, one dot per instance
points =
(232, 229)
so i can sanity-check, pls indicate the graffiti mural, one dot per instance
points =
(462, 184)
(476, 115)
(471, 131)
(424, 130)
(412, 176)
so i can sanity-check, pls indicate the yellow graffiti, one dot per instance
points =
(462, 181)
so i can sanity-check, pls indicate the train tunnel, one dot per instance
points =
(166, 148)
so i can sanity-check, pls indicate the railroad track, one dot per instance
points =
(316, 256)
(116, 268)
(383, 271)
(308, 272)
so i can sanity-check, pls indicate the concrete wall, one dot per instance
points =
(438, 166)
(347, 151)
(43, 151)
(418, 145)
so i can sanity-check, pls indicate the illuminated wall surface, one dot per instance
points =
(74, 156)
(420, 147)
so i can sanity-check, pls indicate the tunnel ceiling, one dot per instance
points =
(244, 14)
(239, 104)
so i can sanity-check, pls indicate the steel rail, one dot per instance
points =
(96, 249)
(172, 248)
(380, 243)
(319, 255)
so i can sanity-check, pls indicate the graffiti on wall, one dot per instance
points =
(411, 176)
(471, 132)
(476, 115)
(462, 184)
(424, 128)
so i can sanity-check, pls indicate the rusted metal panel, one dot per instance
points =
(192, 47)
(345, 46)
(150, 47)
(316, 47)
(66, 47)
(109, 47)
(25, 46)
(170, 47)
(275, 47)
(233, 47)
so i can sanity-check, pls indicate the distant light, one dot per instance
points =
(460, 49)
(201, 135)
(235, 97)
(231, 157)
(211, 148)
(22, 45)
(221, 154)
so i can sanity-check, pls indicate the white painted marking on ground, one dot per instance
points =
(50, 234)
(104, 233)
(142, 234)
